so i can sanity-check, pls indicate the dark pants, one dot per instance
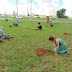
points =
(40, 27)
(51, 25)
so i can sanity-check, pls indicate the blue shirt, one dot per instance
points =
(6, 19)
(6, 35)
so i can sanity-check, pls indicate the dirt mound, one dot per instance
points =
(46, 26)
(9, 38)
(66, 34)
(36, 29)
(41, 51)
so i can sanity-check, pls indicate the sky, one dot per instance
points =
(40, 7)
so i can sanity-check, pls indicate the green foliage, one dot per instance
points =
(47, 16)
(61, 13)
(54, 19)
(65, 16)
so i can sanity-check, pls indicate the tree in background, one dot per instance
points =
(61, 13)
(47, 16)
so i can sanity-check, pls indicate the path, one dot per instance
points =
(39, 20)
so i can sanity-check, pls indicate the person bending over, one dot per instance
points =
(6, 19)
(40, 27)
(61, 47)
(15, 24)
(51, 23)
(1, 32)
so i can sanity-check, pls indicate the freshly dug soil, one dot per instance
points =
(41, 51)
(66, 34)
(9, 38)
(36, 29)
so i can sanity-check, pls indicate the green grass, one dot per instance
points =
(19, 54)
(6, 17)
(53, 19)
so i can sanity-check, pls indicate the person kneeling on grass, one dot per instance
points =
(51, 23)
(6, 19)
(15, 24)
(1, 32)
(61, 47)
(18, 21)
(40, 27)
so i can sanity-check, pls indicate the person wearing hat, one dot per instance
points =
(1, 32)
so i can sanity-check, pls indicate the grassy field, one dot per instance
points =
(53, 19)
(6, 17)
(19, 54)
